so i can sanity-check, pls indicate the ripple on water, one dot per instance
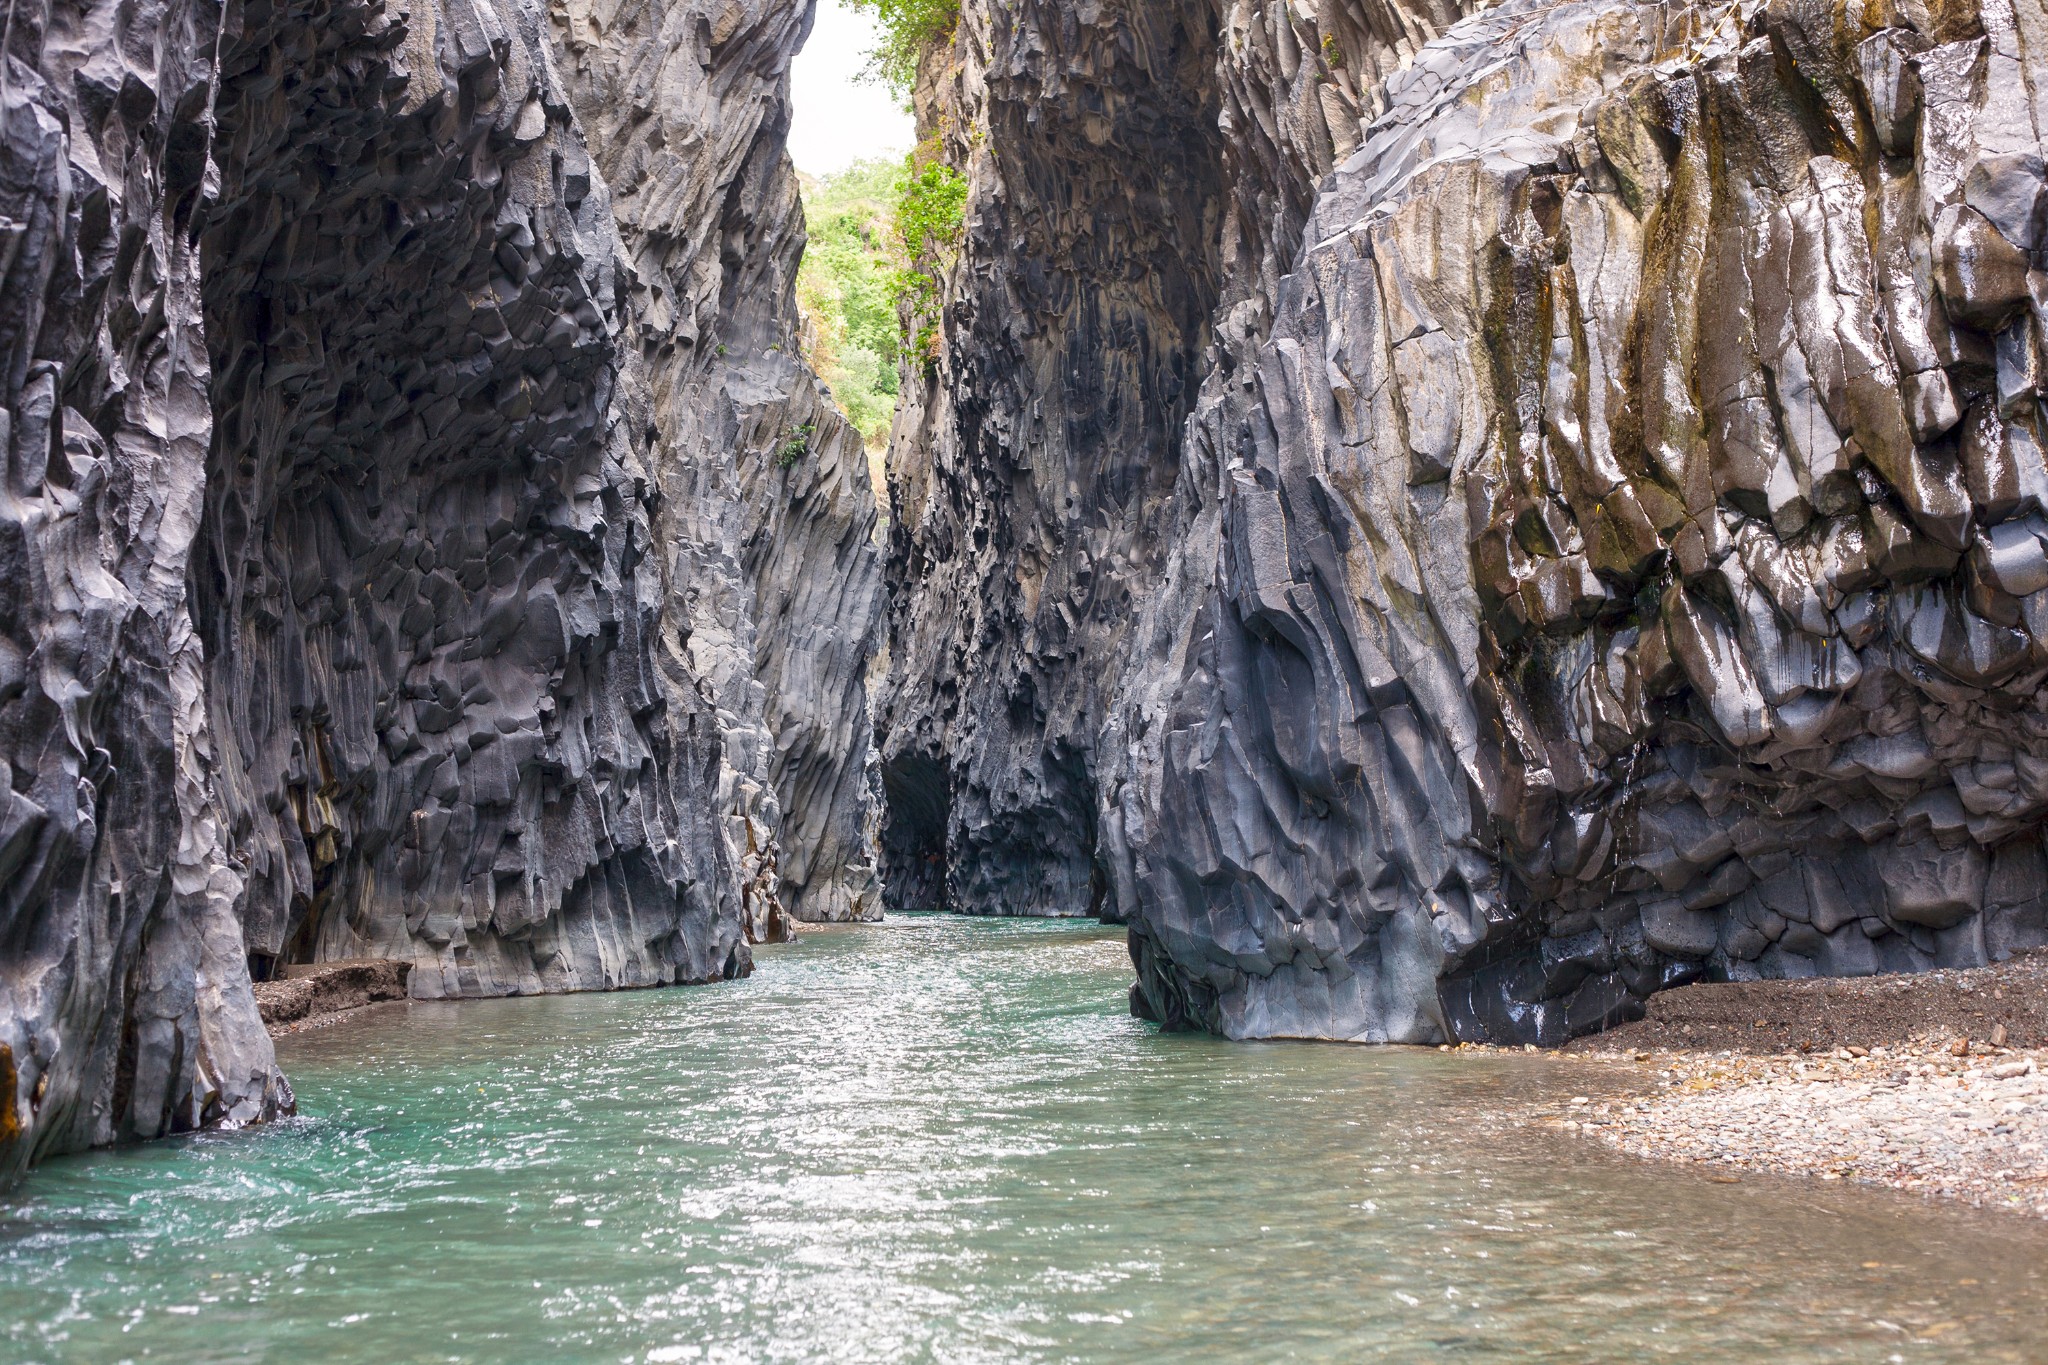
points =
(945, 1140)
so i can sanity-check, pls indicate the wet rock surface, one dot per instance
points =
(1605, 549)
(406, 563)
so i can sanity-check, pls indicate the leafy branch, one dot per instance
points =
(908, 28)
(931, 218)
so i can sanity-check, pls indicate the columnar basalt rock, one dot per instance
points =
(426, 576)
(1032, 461)
(1603, 550)
(1619, 564)
(777, 584)
(411, 559)
(1139, 176)
(124, 995)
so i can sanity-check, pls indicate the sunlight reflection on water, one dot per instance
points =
(944, 1140)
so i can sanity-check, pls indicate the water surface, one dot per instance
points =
(945, 1140)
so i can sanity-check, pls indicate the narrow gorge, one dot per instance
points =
(1442, 522)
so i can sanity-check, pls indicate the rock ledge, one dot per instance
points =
(324, 988)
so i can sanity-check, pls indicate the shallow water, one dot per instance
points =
(945, 1140)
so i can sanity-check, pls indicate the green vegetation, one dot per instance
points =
(931, 214)
(881, 234)
(797, 444)
(847, 289)
(908, 28)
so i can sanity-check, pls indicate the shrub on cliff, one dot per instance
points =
(907, 27)
(931, 211)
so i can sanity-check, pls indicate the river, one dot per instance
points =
(944, 1139)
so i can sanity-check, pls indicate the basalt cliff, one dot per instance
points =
(1450, 522)
(419, 538)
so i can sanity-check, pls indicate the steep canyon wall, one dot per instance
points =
(425, 542)
(1604, 547)
(1029, 516)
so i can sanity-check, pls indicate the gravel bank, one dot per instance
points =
(2006, 1004)
(1970, 1127)
(1936, 1083)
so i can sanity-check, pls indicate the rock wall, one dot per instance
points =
(124, 995)
(1138, 177)
(1604, 550)
(1032, 463)
(775, 586)
(428, 547)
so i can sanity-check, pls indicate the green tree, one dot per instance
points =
(847, 288)
(908, 27)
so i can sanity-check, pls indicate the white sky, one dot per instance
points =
(838, 119)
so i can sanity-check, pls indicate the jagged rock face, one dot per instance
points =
(1138, 179)
(405, 560)
(776, 587)
(1621, 560)
(1032, 462)
(428, 581)
(124, 996)
(1603, 552)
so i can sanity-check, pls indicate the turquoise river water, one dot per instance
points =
(945, 1140)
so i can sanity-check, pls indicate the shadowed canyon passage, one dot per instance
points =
(1442, 523)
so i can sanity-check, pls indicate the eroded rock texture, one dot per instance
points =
(775, 587)
(1609, 539)
(1605, 548)
(124, 995)
(1139, 175)
(427, 577)
(1035, 459)
(413, 563)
